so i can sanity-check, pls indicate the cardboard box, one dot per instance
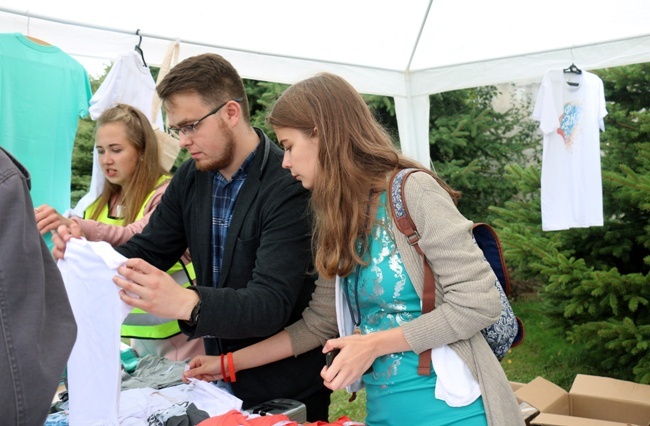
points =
(610, 399)
(547, 397)
(527, 411)
(545, 419)
(516, 385)
(592, 400)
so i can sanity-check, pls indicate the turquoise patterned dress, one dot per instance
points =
(396, 394)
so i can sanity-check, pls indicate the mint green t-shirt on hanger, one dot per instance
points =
(43, 93)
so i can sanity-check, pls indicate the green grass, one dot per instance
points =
(544, 352)
(340, 406)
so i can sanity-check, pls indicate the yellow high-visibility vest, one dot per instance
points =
(140, 324)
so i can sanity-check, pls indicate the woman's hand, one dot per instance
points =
(358, 352)
(48, 219)
(204, 367)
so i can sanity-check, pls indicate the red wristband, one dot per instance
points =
(223, 370)
(231, 368)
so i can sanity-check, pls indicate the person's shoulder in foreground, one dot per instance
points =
(37, 315)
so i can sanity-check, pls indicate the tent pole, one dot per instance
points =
(417, 40)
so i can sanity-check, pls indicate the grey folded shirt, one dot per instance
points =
(154, 372)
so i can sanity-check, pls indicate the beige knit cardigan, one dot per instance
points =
(466, 299)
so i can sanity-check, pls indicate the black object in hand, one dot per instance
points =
(329, 358)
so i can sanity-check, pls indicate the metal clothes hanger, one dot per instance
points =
(139, 49)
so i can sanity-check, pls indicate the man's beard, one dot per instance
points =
(226, 159)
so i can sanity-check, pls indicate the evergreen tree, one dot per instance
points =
(471, 143)
(595, 282)
(82, 151)
(82, 159)
(261, 96)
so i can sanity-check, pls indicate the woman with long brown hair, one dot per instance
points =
(372, 278)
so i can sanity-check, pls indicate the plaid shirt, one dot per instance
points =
(224, 196)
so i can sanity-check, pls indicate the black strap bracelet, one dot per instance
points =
(196, 311)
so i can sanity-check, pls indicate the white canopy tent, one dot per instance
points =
(404, 49)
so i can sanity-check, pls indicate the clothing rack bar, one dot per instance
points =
(27, 14)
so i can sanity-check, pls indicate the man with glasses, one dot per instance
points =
(247, 224)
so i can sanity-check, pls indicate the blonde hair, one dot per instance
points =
(356, 155)
(148, 170)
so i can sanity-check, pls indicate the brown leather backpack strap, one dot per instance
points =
(428, 304)
(407, 227)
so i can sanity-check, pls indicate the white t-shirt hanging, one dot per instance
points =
(129, 82)
(571, 117)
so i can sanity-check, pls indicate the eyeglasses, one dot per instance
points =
(190, 129)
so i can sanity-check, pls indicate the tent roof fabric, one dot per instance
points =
(406, 49)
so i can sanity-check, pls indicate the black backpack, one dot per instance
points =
(508, 331)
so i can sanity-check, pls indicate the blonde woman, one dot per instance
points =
(134, 185)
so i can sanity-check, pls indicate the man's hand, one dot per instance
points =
(62, 235)
(156, 291)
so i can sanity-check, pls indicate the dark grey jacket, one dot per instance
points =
(37, 328)
(264, 284)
